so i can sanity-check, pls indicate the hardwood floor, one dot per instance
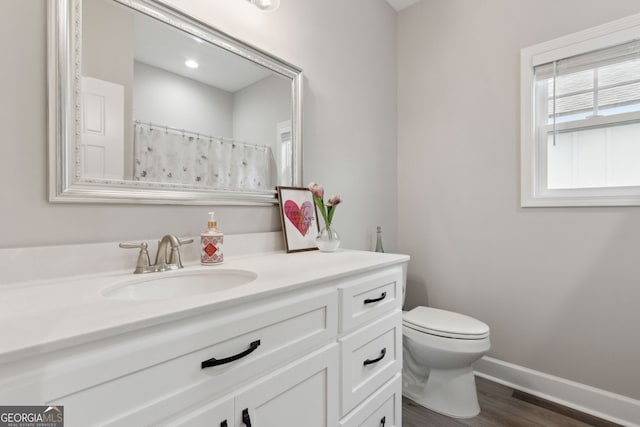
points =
(501, 406)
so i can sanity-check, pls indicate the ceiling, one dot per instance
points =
(398, 5)
(168, 48)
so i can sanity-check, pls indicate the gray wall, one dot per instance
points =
(259, 107)
(347, 126)
(257, 110)
(559, 287)
(163, 97)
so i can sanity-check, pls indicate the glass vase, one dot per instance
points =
(328, 239)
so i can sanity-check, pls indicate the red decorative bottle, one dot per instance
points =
(211, 240)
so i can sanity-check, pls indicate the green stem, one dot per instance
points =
(321, 208)
(331, 211)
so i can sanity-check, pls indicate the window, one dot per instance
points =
(581, 118)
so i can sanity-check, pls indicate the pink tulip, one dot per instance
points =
(317, 190)
(334, 200)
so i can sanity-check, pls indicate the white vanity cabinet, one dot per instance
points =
(371, 349)
(301, 391)
(322, 354)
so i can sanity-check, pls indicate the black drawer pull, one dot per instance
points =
(372, 300)
(246, 419)
(383, 421)
(215, 362)
(376, 360)
(224, 424)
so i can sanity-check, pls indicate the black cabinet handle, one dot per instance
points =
(224, 424)
(215, 362)
(383, 421)
(246, 419)
(372, 300)
(376, 360)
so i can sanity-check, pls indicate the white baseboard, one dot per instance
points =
(599, 403)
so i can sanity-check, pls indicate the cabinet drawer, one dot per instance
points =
(369, 297)
(149, 395)
(381, 409)
(370, 357)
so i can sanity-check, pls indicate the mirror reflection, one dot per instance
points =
(168, 104)
(161, 105)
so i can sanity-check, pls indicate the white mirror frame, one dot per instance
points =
(64, 74)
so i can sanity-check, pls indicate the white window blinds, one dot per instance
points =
(588, 116)
(600, 83)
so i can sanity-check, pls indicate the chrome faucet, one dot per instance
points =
(162, 261)
(174, 262)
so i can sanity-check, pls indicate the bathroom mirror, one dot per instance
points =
(149, 105)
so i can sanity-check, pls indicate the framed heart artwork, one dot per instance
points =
(299, 218)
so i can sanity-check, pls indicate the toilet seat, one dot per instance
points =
(445, 323)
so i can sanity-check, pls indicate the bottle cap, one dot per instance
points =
(212, 220)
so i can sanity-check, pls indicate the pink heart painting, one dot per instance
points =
(300, 217)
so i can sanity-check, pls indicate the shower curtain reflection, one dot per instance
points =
(166, 155)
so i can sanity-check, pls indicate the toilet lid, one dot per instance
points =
(445, 323)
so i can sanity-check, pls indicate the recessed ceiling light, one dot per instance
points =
(266, 5)
(191, 63)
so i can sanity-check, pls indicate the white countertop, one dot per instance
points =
(43, 316)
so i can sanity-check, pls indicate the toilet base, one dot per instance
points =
(450, 392)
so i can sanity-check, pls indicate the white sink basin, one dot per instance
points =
(170, 284)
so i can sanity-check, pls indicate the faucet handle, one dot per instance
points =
(130, 245)
(143, 264)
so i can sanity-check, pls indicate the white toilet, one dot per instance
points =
(439, 348)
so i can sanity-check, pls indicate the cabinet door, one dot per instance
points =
(302, 393)
(215, 414)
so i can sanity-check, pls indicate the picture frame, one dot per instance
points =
(299, 218)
